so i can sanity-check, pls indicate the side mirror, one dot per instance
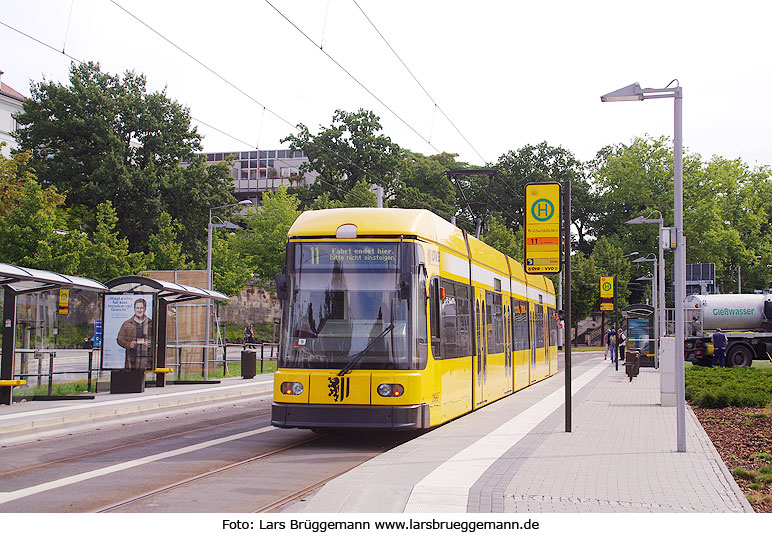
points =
(282, 290)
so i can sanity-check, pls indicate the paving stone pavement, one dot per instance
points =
(619, 457)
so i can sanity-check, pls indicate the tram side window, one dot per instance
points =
(539, 327)
(455, 318)
(552, 325)
(464, 321)
(519, 325)
(495, 321)
(449, 336)
(434, 316)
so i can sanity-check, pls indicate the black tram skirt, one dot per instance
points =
(302, 416)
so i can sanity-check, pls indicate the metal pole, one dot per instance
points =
(662, 303)
(680, 270)
(379, 196)
(567, 297)
(739, 280)
(656, 315)
(615, 348)
(208, 301)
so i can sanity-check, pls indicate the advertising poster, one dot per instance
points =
(128, 332)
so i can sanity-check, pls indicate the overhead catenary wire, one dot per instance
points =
(436, 106)
(357, 81)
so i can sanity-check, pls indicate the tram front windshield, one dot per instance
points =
(344, 300)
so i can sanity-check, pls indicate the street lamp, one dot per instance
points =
(209, 273)
(634, 92)
(661, 286)
(654, 283)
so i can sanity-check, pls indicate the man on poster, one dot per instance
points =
(135, 336)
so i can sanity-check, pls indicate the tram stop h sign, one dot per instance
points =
(542, 228)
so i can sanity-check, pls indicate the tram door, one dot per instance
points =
(508, 365)
(481, 363)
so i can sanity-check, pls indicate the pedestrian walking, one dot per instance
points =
(249, 336)
(611, 343)
(719, 347)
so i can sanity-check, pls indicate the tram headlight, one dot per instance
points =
(391, 390)
(291, 388)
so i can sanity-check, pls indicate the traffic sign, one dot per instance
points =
(607, 306)
(64, 301)
(542, 228)
(606, 287)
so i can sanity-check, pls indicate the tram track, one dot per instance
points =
(198, 477)
(292, 498)
(167, 436)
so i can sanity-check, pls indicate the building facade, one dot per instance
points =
(11, 102)
(258, 171)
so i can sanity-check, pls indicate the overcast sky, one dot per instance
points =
(506, 73)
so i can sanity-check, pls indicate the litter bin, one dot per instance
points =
(248, 363)
(632, 363)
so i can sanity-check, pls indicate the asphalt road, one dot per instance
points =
(224, 458)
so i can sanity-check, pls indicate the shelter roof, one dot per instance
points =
(24, 279)
(170, 291)
(638, 310)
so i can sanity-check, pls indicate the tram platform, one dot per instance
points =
(515, 456)
(32, 420)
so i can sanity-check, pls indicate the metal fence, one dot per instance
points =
(44, 368)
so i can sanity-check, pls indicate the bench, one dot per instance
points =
(160, 370)
(11, 383)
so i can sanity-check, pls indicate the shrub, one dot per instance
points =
(734, 386)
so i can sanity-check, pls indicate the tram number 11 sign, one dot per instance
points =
(542, 228)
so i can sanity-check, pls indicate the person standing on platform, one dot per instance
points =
(719, 347)
(622, 344)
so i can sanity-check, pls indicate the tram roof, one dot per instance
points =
(382, 222)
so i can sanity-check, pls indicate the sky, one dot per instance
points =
(506, 74)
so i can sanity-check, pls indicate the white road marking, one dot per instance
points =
(55, 484)
(446, 489)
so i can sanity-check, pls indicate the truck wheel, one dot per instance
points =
(739, 355)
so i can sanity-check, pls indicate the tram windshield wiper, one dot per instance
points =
(350, 365)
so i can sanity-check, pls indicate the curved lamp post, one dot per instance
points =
(632, 93)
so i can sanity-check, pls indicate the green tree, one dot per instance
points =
(14, 174)
(230, 272)
(104, 137)
(500, 237)
(164, 246)
(585, 282)
(30, 233)
(263, 242)
(360, 196)
(106, 255)
(350, 150)
(189, 193)
(425, 184)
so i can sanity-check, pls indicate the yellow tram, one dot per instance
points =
(397, 319)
